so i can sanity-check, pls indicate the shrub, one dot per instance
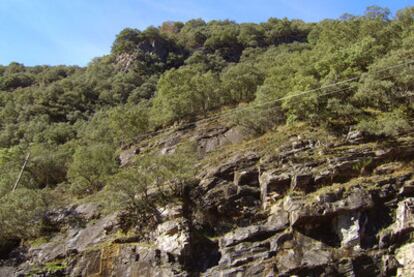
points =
(389, 124)
(151, 183)
(184, 93)
(90, 167)
(257, 120)
(240, 83)
(21, 214)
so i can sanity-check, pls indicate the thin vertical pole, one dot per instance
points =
(21, 172)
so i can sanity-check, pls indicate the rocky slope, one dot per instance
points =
(284, 204)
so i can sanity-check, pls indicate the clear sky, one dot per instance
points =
(74, 31)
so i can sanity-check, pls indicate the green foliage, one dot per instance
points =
(206, 62)
(126, 40)
(223, 39)
(251, 35)
(389, 124)
(48, 164)
(90, 167)
(145, 91)
(240, 82)
(278, 31)
(21, 214)
(257, 120)
(386, 87)
(376, 12)
(151, 183)
(14, 81)
(11, 160)
(185, 93)
(128, 121)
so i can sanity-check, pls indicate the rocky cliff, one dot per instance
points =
(290, 203)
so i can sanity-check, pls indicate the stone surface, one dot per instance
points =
(308, 208)
(348, 229)
(405, 257)
(357, 200)
(210, 139)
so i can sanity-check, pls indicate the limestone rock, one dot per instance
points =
(405, 256)
(357, 200)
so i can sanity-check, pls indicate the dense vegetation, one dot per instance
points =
(353, 71)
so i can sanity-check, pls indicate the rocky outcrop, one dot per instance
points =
(308, 208)
(206, 137)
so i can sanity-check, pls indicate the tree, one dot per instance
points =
(11, 160)
(206, 62)
(223, 39)
(48, 164)
(128, 121)
(387, 87)
(257, 120)
(14, 81)
(126, 41)
(184, 93)
(193, 34)
(90, 167)
(389, 124)
(376, 12)
(151, 183)
(251, 35)
(240, 83)
(279, 31)
(145, 91)
(21, 214)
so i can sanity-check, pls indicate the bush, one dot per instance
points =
(389, 124)
(240, 83)
(152, 182)
(14, 81)
(48, 164)
(128, 121)
(90, 167)
(185, 93)
(21, 214)
(257, 120)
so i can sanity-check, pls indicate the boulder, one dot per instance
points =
(273, 185)
(75, 240)
(405, 257)
(248, 177)
(127, 155)
(251, 234)
(210, 139)
(357, 200)
(403, 224)
(302, 182)
(348, 228)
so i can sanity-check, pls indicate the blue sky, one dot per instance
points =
(74, 31)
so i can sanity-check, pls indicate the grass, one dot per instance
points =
(49, 268)
(266, 144)
(38, 242)
(55, 266)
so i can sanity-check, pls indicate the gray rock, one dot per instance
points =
(273, 185)
(251, 233)
(127, 155)
(348, 228)
(405, 257)
(357, 200)
(210, 139)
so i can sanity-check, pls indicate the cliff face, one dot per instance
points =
(304, 206)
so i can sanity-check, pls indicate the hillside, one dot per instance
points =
(215, 149)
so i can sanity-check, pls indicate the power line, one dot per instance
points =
(288, 96)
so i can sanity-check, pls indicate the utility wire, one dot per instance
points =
(289, 96)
